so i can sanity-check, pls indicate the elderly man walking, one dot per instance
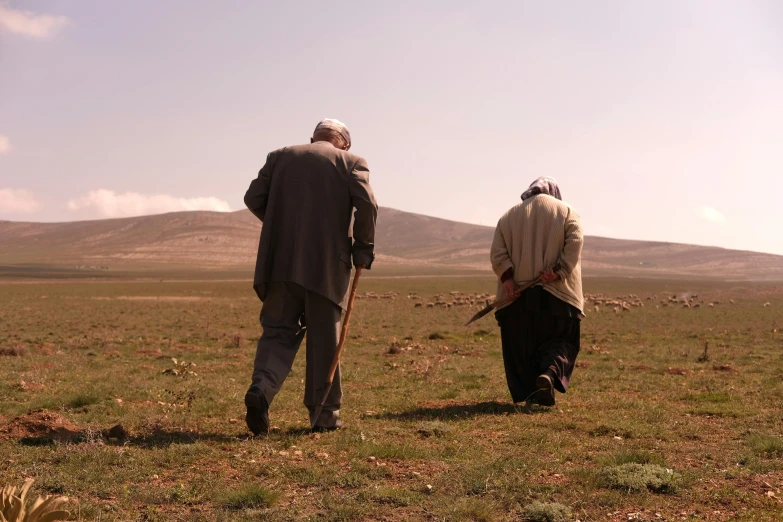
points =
(306, 196)
(540, 329)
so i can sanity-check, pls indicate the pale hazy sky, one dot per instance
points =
(661, 120)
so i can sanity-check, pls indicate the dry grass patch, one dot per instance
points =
(636, 478)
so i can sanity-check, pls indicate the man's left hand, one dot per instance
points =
(548, 275)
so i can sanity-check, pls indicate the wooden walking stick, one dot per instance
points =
(343, 336)
(491, 306)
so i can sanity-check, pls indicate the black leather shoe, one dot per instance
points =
(545, 395)
(257, 417)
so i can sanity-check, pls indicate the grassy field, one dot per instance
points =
(648, 431)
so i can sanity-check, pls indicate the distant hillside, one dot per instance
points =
(226, 240)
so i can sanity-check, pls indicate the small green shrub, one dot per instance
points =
(545, 512)
(351, 480)
(634, 477)
(248, 496)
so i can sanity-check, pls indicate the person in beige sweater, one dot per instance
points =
(540, 329)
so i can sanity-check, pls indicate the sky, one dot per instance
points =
(660, 120)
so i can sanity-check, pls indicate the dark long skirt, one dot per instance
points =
(540, 334)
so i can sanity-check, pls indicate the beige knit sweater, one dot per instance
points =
(534, 235)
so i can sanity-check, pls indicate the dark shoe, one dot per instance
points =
(337, 426)
(257, 417)
(545, 395)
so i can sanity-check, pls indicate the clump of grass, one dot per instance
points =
(714, 397)
(374, 473)
(396, 431)
(304, 476)
(341, 509)
(633, 477)
(635, 457)
(398, 497)
(719, 410)
(433, 429)
(436, 336)
(81, 400)
(448, 395)
(545, 512)
(475, 510)
(247, 497)
(766, 446)
(476, 481)
(351, 480)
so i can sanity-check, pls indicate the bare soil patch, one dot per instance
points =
(41, 425)
(30, 386)
(725, 368)
(12, 351)
(675, 370)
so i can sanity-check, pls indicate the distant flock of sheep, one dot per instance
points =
(438, 300)
(624, 303)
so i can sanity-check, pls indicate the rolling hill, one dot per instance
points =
(213, 240)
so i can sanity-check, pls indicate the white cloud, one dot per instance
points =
(5, 145)
(108, 204)
(28, 23)
(17, 201)
(710, 214)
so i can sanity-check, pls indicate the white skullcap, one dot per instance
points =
(336, 126)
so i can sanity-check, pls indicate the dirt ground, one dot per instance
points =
(127, 397)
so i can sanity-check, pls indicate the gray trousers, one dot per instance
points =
(289, 311)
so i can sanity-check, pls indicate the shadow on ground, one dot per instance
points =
(453, 411)
(163, 437)
(154, 439)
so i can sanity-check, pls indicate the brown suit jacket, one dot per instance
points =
(305, 196)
